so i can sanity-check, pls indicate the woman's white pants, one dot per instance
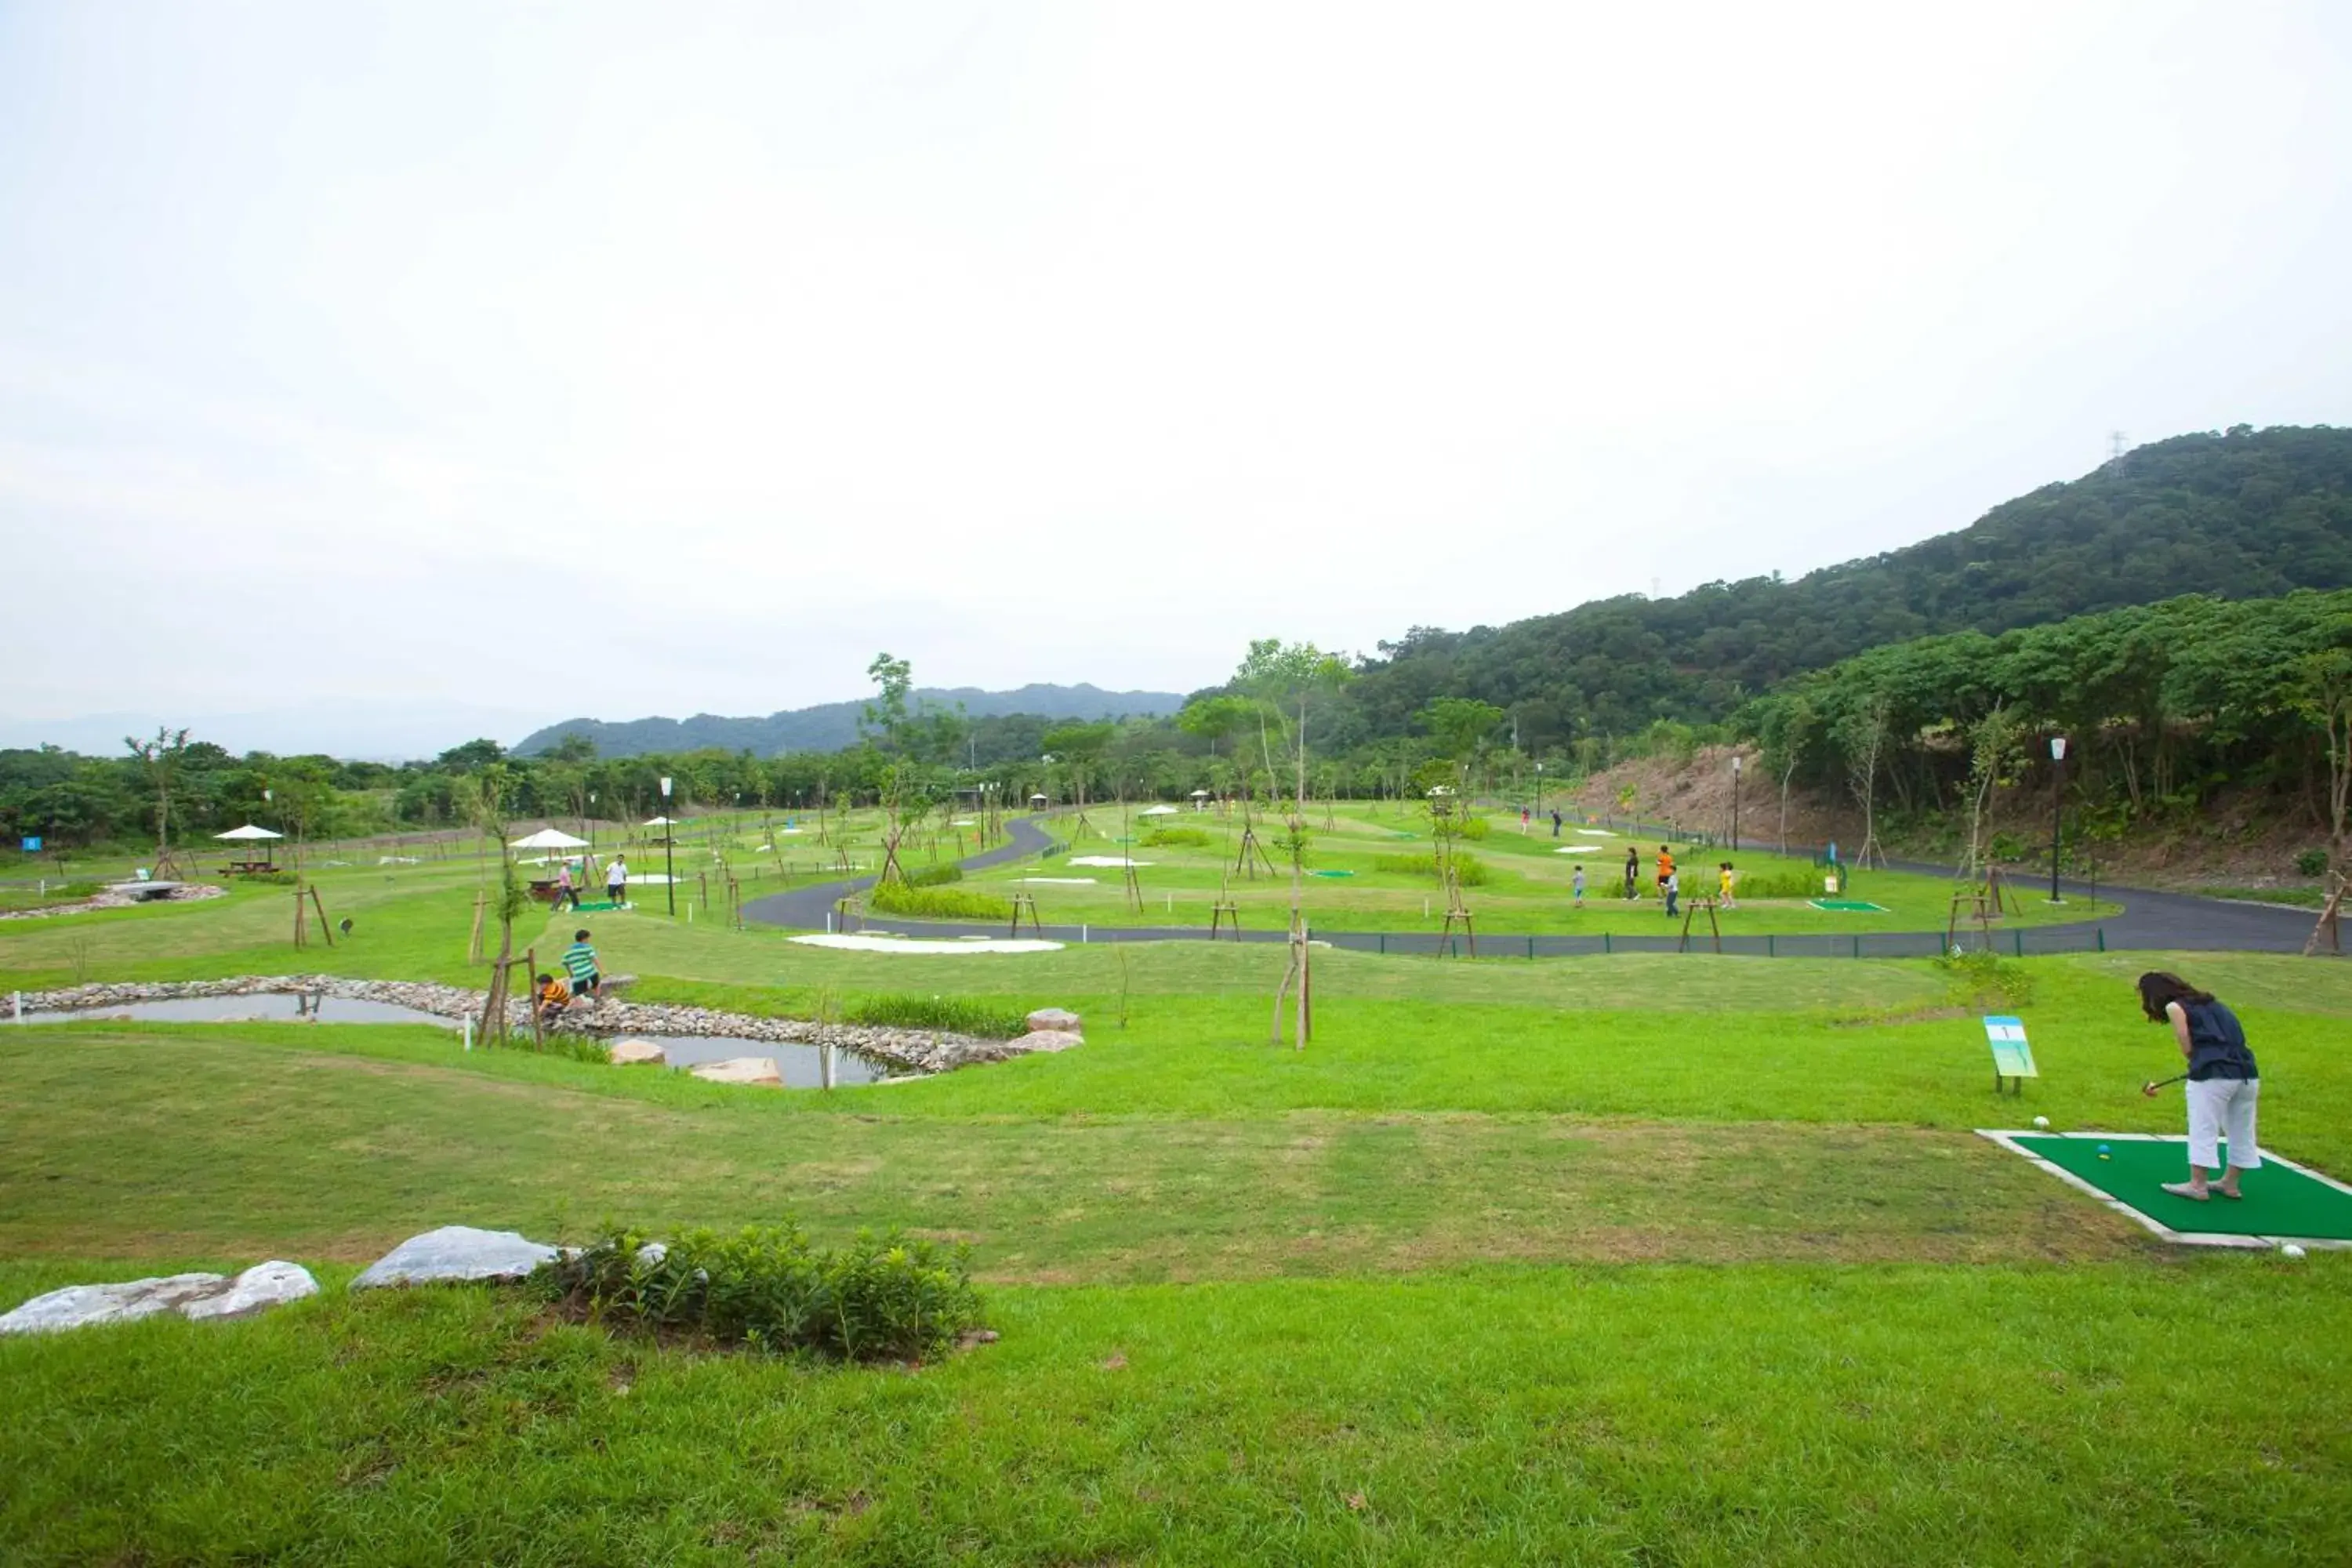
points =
(2218, 1105)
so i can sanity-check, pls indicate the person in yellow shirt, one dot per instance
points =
(1726, 879)
(554, 996)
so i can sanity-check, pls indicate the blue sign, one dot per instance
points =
(32, 845)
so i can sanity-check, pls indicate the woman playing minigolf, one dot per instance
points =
(2222, 1081)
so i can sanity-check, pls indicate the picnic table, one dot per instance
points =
(248, 868)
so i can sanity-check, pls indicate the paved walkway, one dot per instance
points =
(2150, 921)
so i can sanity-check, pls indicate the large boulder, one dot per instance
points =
(265, 1285)
(740, 1069)
(1054, 1020)
(455, 1252)
(638, 1053)
(79, 1306)
(1047, 1040)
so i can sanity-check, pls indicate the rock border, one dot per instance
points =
(903, 1050)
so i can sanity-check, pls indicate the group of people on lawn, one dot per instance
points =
(616, 883)
(1669, 881)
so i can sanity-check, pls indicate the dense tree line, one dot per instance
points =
(2061, 610)
(2244, 514)
(2163, 706)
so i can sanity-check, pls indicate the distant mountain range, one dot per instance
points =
(830, 726)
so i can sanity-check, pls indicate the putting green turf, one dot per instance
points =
(2280, 1201)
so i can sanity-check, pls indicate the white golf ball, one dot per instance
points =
(2290, 1250)
(2042, 1122)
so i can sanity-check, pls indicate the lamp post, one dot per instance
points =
(1735, 803)
(590, 826)
(669, 843)
(1539, 789)
(2057, 782)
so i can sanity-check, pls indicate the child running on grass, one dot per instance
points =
(1725, 880)
(1577, 883)
(1632, 873)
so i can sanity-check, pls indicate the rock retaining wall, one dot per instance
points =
(909, 1050)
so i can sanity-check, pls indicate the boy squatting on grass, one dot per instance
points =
(2223, 1086)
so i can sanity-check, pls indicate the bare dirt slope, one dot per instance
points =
(2238, 842)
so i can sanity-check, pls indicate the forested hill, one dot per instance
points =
(832, 725)
(2239, 515)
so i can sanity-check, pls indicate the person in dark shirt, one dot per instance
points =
(2223, 1086)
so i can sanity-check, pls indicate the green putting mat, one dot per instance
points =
(2281, 1200)
(1849, 906)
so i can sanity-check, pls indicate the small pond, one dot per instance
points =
(268, 1007)
(796, 1062)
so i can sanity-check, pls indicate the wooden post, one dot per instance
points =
(300, 922)
(531, 988)
(324, 928)
(474, 943)
(1022, 903)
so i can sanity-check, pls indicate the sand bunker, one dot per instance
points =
(1106, 861)
(1577, 849)
(858, 943)
(1596, 833)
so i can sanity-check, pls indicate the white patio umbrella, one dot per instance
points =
(1157, 811)
(656, 822)
(549, 838)
(249, 834)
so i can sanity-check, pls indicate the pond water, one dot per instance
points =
(272, 1008)
(797, 1063)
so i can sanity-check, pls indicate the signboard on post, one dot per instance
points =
(32, 844)
(2013, 1057)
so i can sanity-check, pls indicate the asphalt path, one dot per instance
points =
(2150, 921)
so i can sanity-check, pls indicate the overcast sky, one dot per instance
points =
(629, 359)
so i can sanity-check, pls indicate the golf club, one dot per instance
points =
(2150, 1088)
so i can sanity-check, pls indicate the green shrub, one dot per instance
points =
(1175, 837)
(890, 1298)
(935, 876)
(935, 903)
(1474, 827)
(955, 1014)
(576, 1047)
(2311, 863)
(1467, 868)
(1982, 978)
(1762, 885)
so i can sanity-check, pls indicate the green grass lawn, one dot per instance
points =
(1527, 886)
(1650, 1257)
(1742, 1414)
